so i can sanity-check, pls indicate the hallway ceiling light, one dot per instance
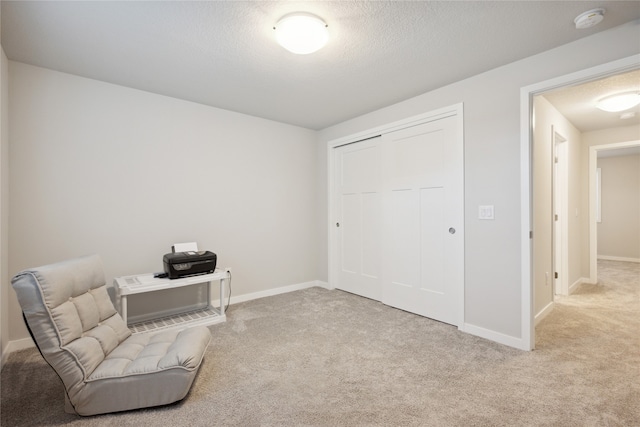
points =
(301, 33)
(589, 18)
(619, 102)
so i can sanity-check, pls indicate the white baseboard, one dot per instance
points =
(577, 283)
(508, 340)
(16, 345)
(21, 344)
(275, 291)
(618, 258)
(544, 313)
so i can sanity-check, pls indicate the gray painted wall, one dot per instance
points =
(492, 165)
(100, 168)
(548, 121)
(93, 164)
(619, 230)
(4, 204)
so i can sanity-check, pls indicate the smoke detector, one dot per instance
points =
(589, 18)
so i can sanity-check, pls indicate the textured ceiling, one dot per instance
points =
(578, 103)
(223, 54)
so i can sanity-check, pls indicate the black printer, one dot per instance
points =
(183, 264)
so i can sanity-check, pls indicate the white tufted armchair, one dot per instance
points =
(104, 368)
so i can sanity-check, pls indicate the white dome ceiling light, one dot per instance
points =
(619, 102)
(301, 33)
(589, 18)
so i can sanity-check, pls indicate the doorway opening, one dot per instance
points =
(595, 208)
(528, 261)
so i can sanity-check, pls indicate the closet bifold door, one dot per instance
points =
(423, 212)
(398, 209)
(358, 221)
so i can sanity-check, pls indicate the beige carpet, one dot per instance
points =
(328, 358)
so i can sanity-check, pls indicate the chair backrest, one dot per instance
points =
(70, 315)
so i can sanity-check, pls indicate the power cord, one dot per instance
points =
(229, 298)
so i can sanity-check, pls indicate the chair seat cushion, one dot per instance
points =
(145, 370)
(148, 353)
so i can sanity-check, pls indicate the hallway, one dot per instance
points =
(596, 314)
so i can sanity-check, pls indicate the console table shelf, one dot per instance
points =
(137, 284)
(205, 316)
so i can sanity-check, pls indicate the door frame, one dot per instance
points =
(441, 113)
(594, 202)
(527, 94)
(560, 229)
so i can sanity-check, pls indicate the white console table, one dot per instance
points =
(138, 284)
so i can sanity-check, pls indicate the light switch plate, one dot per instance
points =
(485, 212)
